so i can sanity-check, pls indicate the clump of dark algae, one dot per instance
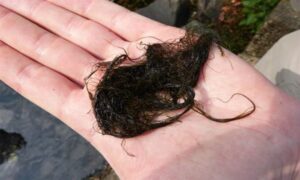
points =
(9, 143)
(134, 94)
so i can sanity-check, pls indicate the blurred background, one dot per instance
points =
(35, 145)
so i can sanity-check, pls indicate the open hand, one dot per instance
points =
(49, 47)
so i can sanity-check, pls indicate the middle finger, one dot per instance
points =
(86, 33)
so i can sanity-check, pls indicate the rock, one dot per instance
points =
(179, 12)
(170, 12)
(281, 64)
(295, 5)
(280, 22)
(208, 10)
(162, 11)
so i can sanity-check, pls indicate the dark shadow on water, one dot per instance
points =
(9, 144)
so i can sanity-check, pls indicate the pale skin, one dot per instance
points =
(47, 64)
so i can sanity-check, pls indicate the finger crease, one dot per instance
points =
(42, 42)
(87, 7)
(24, 73)
(116, 18)
(34, 8)
(72, 22)
(5, 13)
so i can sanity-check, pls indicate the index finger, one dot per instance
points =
(127, 24)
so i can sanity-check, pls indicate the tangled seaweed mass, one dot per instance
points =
(134, 94)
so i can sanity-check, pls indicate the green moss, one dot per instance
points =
(239, 21)
(255, 12)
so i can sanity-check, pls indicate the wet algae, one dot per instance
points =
(153, 91)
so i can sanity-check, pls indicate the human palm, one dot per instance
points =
(48, 51)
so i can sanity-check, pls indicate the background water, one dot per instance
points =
(53, 150)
